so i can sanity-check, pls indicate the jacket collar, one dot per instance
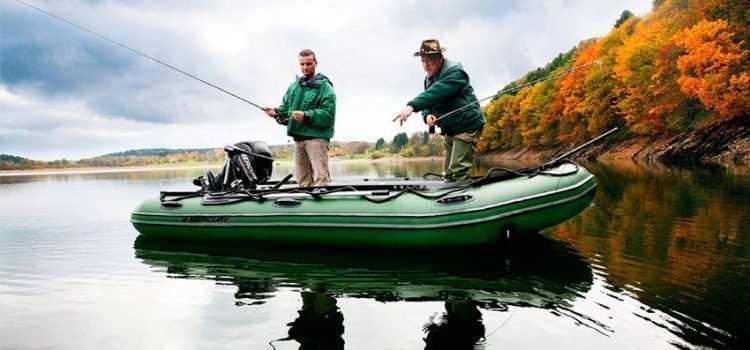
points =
(447, 65)
(315, 81)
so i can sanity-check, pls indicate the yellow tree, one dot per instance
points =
(533, 106)
(569, 100)
(497, 130)
(646, 66)
(510, 123)
(635, 69)
(603, 90)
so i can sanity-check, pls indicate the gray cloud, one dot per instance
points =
(51, 57)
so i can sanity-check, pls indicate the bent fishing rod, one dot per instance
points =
(112, 41)
(517, 87)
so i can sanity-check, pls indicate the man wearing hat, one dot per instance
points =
(447, 88)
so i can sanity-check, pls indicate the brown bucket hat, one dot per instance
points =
(430, 47)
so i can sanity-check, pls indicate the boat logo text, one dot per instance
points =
(205, 218)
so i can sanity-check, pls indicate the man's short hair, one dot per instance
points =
(308, 52)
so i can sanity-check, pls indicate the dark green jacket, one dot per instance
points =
(449, 89)
(314, 96)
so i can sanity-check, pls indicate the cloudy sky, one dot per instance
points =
(65, 93)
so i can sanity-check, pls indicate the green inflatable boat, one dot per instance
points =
(381, 212)
(240, 204)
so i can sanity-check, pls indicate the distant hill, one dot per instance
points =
(12, 159)
(140, 157)
(11, 162)
(156, 156)
(155, 152)
(419, 144)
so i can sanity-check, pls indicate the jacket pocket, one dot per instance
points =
(309, 99)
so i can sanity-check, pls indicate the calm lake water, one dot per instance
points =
(661, 260)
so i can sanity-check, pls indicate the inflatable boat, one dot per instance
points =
(375, 212)
(240, 204)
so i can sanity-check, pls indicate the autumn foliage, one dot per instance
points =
(682, 67)
(715, 67)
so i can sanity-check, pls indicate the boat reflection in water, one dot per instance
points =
(535, 272)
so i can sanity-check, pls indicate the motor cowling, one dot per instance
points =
(247, 164)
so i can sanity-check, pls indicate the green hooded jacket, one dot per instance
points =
(449, 89)
(315, 97)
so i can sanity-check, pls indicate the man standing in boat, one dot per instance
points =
(308, 109)
(447, 88)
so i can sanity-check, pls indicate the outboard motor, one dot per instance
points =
(248, 164)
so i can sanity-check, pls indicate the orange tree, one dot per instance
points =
(715, 68)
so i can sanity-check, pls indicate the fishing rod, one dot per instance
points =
(577, 149)
(112, 41)
(517, 87)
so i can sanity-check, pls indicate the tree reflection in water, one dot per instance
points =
(678, 240)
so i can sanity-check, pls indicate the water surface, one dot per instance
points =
(661, 260)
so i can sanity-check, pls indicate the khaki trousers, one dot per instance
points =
(459, 155)
(311, 163)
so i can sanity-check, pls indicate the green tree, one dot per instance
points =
(399, 141)
(379, 144)
(623, 17)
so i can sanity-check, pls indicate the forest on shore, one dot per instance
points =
(682, 69)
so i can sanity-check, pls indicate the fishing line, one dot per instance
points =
(138, 53)
(502, 325)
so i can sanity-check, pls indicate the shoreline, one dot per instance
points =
(101, 170)
(638, 150)
(178, 166)
(726, 144)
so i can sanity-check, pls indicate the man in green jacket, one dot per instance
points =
(308, 109)
(447, 88)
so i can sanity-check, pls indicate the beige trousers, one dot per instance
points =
(311, 163)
